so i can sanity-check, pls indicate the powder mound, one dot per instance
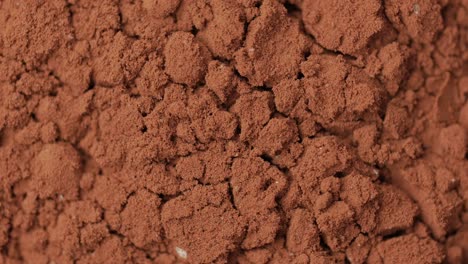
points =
(91, 235)
(141, 219)
(91, 18)
(422, 20)
(287, 94)
(161, 8)
(186, 60)
(223, 35)
(203, 223)
(452, 141)
(117, 59)
(208, 122)
(397, 211)
(337, 225)
(69, 67)
(33, 40)
(409, 249)
(193, 15)
(361, 194)
(338, 91)
(111, 248)
(322, 157)
(254, 111)
(255, 186)
(303, 234)
(277, 136)
(432, 186)
(346, 26)
(148, 19)
(390, 65)
(269, 54)
(109, 193)
(313, 185)
(366, 139)
(56, 171)
(211, 166)
(9, 69)
(220, 79)
(152, 79)
(190, 167)
(396, 122)
(324, 84)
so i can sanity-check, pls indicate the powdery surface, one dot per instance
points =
(233, 131)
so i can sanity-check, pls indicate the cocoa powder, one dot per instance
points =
(233, 131)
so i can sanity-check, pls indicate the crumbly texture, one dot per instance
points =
(233, 131)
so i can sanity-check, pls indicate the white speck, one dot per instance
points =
(276, 182)
(61, 197)
(416, 9)
(251, 51)
(453, 182)
(376, 172)
(182, 253)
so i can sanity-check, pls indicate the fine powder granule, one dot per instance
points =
(233, 131)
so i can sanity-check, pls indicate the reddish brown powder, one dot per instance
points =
(233, 131)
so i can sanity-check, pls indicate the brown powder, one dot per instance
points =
(181, 47)
(55, 171)
(233, 131)
(343, 26)
(203, 223)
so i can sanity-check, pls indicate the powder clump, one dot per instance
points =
(161, 8)
(33, 40)
(186, 60)
(344, 26)
(268, 56)
(410, 248)
(208, 231)
(223, 34)
(397, 211)
(420, 19)
(140, 219)
(56, 171)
